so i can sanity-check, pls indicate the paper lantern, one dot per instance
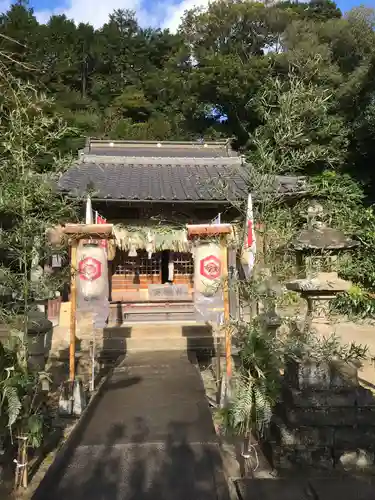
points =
(92, 272)
(207, 268)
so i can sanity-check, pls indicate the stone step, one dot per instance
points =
(147, 344)
(156, 337)
(176, 311)
(151, 307)
(160, 316)
(168, 335)
(167, 330)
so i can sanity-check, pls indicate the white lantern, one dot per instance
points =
(92, 272)
(207, 268)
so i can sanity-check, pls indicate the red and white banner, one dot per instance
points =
(208, 291)
(101, 220)
(92, 283)
(249, 250)
(92, 274)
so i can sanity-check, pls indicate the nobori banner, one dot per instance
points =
(208, 274)
(92, 282)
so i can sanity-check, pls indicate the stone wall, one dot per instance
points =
(325, 419)
(58, 344)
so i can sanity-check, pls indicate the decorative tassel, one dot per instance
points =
(133, 250)
(150, 247)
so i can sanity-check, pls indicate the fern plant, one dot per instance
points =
(258, 381)
(10, 403)
(256, 385)
(20, 404)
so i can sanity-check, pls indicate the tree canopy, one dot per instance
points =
(124, 80)
(291, 83)
(127, 80)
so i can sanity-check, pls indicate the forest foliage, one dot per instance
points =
(207, 80)
(125, 80)
(292, 84)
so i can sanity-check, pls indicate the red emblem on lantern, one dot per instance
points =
(90, 269)
(210, 267)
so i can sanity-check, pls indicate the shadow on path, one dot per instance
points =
(148, 435)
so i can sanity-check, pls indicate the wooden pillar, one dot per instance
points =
(222, 231)
(77, 233)
(233, 295)
(73, 311)
(228, 340)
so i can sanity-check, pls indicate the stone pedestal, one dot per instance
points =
(324, 418)
(318, 293)
(318, 307)
(271, 322)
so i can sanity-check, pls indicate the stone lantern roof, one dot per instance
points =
(323, 238)
(317, 236)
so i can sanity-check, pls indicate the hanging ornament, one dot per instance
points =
(111, 250)
(149, 245)
(133, 251)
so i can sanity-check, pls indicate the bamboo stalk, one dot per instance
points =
(218, 368)
(24, 464)
(228, 348)
(18, 470)
(73, 311)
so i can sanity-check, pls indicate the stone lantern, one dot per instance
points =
(37, 327)
(318, 248)
(270, 289)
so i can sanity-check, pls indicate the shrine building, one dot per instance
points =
(149, 191)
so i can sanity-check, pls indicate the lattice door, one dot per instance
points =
(140, 271)
(183, 264)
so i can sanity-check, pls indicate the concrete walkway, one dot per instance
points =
(147, 435)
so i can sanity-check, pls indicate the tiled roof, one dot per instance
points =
(152, 182)
(164, 179)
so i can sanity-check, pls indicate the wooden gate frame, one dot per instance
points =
(224, 232)
(75, 233)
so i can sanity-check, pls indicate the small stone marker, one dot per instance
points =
(168, 292)
(72, 399)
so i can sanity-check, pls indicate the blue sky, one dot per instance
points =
(349, 4)
(164, 13)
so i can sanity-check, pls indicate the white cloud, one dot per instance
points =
(166, 13)
(174, 13)
(94, 12)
